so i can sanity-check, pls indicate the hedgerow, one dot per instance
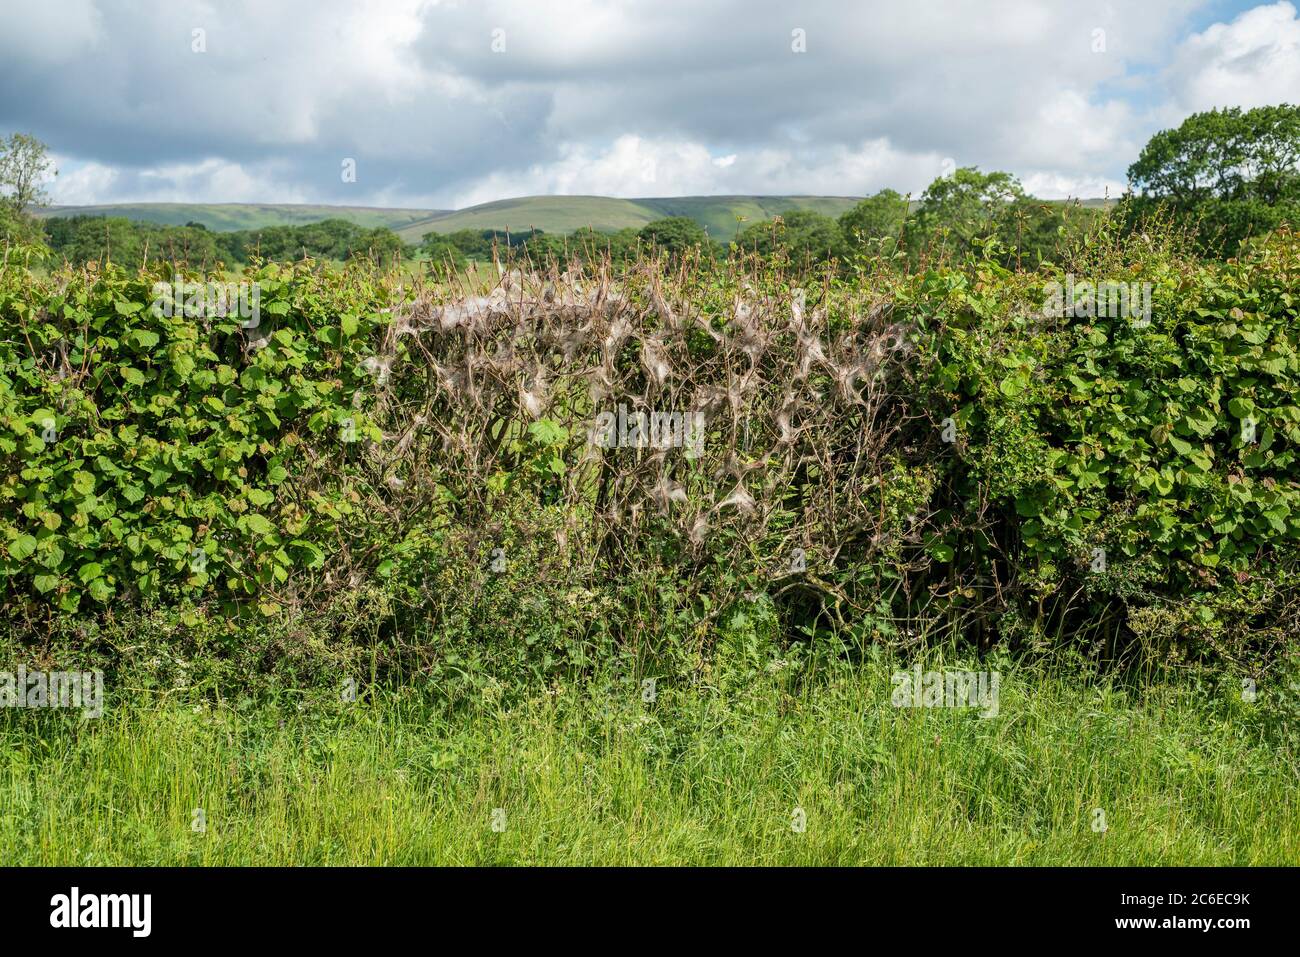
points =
(1146, 460)
(162, 457)
(447, 481)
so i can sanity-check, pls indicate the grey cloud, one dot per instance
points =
(414, 91)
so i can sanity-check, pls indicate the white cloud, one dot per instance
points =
(642, 97)
(80, 184)
(213, 178)
(635, 166)
(1252, 61)
(50, 34)
(630, 166)
(208, 181)
(1050, 185)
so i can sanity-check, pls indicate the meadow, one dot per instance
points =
(774, 765)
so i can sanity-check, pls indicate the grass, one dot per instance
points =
(1186, 774)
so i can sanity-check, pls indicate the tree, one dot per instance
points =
(1032, 231)
(101, 238)
(591, 245)
(802, 235)
(674, 235)
(474, 243)
(17, 228)
(441, 251)
(543, 248)
(877, 217)
(380, 244)
(1231, 174)
(24, 166)
(957, 210)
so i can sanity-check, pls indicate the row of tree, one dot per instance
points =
(80, 239)
(953, 215)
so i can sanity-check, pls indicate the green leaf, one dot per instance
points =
(1013, 386)
(22, 547)
(547, 432)
(257, 524)
(311, 556)
(941, 552)
(100, 590)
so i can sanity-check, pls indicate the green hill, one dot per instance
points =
(550, 214)
(564, 214)
(718, 213)
(224, 217)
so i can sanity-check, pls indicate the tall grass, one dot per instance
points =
(1185, 774)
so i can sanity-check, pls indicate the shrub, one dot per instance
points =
(1144, 460)
(154, 456)
(864, 460)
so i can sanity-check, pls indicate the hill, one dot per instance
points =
(564, 214)
(550, 214)
(225, 217)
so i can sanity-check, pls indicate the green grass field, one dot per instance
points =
(1185, 774)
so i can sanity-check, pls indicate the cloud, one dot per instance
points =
(1252, 61)
(80, 184)
(443, 102)
(636, 166)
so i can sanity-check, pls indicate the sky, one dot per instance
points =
(439, 105)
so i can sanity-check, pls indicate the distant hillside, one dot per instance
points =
(224, 217)
(564, 214)
(550, 214)
(718, 213)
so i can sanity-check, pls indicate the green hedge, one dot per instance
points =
(147, 454)
(1026, 472)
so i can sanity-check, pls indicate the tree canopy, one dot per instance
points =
(1231, 173)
